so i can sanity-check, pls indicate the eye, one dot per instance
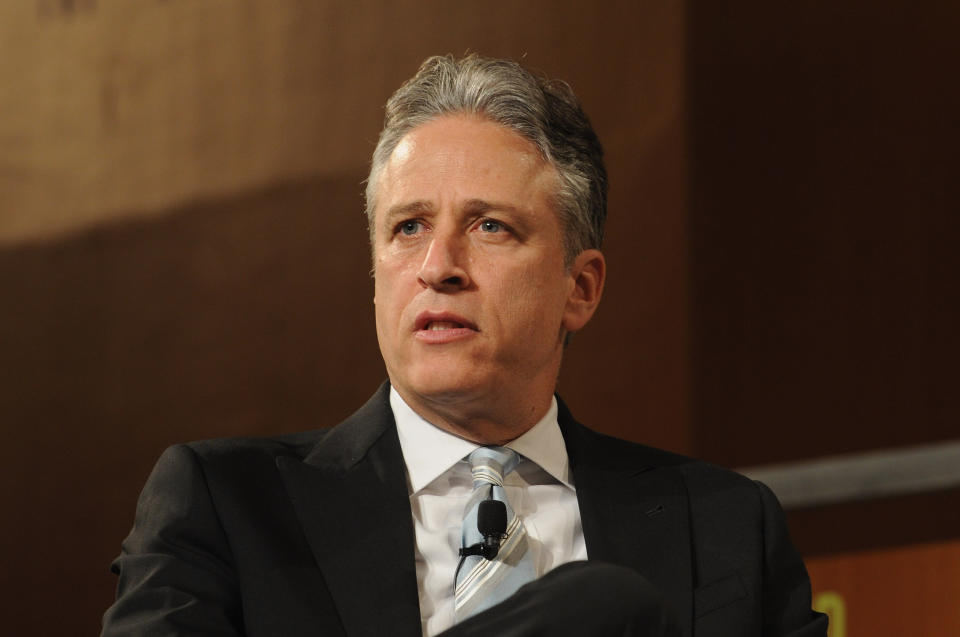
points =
(489, 225)
(410, 227)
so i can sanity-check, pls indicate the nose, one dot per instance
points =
(443, 267)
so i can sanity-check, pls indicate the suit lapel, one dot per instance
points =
(633, 507)
(351, 497)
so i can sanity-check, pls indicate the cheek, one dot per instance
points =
(395, 268)
(532, 300)
(385, 303)
(381, 321)
(393, 292)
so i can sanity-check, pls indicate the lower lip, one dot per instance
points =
(439, 337)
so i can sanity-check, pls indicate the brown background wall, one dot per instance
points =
(182, 248)
(824, 201)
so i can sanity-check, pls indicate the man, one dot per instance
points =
(463, 495)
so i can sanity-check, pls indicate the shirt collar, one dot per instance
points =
(429, 451)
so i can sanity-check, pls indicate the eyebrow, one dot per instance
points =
(403, 210)
(471, 206)
(478, 206)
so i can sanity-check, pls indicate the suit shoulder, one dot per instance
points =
(705, 475)
(618, 450)
(254, 449)
(700, 477)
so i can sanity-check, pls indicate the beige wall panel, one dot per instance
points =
(124, 108)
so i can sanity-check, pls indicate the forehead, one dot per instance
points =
(465, 157)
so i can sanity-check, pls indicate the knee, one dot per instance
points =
(615, 597)
(611, 587)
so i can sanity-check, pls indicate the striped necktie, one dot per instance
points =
(481, 583)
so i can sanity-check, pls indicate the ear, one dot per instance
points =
(588, 272)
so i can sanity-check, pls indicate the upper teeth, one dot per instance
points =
(442, 325)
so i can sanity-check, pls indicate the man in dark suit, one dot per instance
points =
(486, 202)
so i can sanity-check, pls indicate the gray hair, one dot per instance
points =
(543, 111)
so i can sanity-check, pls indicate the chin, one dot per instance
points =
(445, 387)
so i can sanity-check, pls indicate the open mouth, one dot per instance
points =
(443, 322)
(435, 326)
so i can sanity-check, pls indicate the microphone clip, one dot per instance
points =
(489, 548)
(492, 525)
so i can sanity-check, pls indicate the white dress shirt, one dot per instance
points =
(540, 491)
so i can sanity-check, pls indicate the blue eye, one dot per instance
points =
(409, 227)
(489, 225)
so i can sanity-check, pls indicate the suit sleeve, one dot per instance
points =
(175, 569)
(786, 591)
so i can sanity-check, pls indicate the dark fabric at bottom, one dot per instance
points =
(582, 599)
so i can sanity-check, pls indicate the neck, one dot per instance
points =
(487, 422)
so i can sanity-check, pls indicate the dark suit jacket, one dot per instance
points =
(311, 534)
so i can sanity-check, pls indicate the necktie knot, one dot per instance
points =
(489, 465)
